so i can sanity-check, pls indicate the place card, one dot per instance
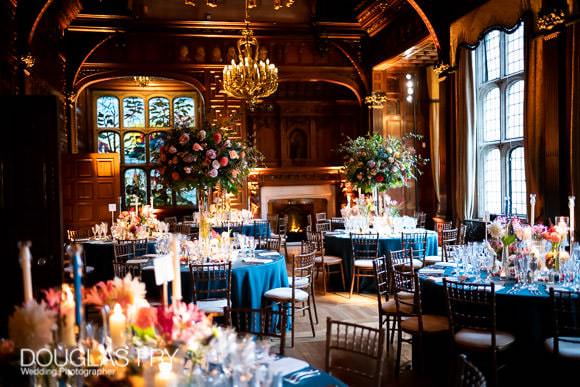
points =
(287, 365)
(163, 267)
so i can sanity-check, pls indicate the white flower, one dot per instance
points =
(496, 230)
(215, 164)
(31, 325)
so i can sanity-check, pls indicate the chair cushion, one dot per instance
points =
(285, 294)
(390, 307)
(431, 324)
(212, 306)
(417, 263)
(480, 340)
(431, 259)
(328, 260)
(364, 263)
(568, 347)
(301, 282)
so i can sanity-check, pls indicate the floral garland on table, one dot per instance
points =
(379, 162)
(205, 158)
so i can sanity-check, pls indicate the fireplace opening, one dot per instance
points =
(297, 211)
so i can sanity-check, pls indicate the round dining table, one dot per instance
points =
(337, 243)
(250, 280)
(524, 313)
(261, 230)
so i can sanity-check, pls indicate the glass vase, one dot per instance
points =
(505, 262)
(553, 263)
(203, 199)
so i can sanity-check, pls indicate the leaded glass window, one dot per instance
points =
(107, 112)
(133, 112)
(499, 71)
(159, 112)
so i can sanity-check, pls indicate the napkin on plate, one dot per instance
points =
(137, 261)
(269, 254)
(287, 365)
(256, 260)
(429, 271)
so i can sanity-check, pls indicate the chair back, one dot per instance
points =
(187, 218)
(336, 223)
(122, 252)
(364, 246)
(308, 246)
(407, 282)
(416, 242)
(170, 219)
(468, 375)
(461, 234)
(449, 236)
(263, 323)
(211, 281)
(271, 243)
(565, 314)
(354, 340)
(402, 258)
(283, 226)
(273, 220)
(75, 234)
(442, 226)
(323, 226)
(182, 228)
(382, 280)
(314, 238)
(320, 216)
(303, 266)
(140, 247)
(261, 228)
(421, 219)
(471, 306)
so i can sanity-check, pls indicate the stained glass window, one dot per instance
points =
(499, 67)
(107, 112)
(108, 142)
(133, 112)
(159, 112)
(161, 194)
(183, 112)
(135, 183)
(155, 142)
(186, 197)
(134, 147)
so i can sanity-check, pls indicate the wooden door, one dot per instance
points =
(90, 182)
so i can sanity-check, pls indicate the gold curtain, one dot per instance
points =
(465, 138)
(433, 92)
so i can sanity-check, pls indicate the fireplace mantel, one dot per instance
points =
(323, 191)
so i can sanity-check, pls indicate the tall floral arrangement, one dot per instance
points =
(205, 158)
(379, 162)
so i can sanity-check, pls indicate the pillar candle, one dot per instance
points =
(532, 208)
(25, 262)
(165, 377)
(176, 288)
(571, 205)
(67, 315)
(118, 327)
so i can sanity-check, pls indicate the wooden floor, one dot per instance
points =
(360, 309)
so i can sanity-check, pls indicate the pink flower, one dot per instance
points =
(211, 154)
(234, 155)
(217, 137)
(187, 170)
(52, 297)
(196, 147)
(172, 149)
(228, 143)
(183, 139)
(145, 318)
(215, 164)
(224, 161)
(188, 158)
(213, 173)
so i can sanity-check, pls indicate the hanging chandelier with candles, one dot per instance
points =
(250, 79)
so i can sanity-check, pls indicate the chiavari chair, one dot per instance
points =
(298, 296)
(448, 237)
(187, 218)
(261, 228)
(417, 242)
(410, 317)
(123, 254)
(336, 223)
(354, 351)
(140, 247)
(74, 235)
(440, 227)
(271, 243)
(265, 322)
(365, 248)
(421, 219)
(320, 216)
(323, 226)
(183, 228)
(327, 264)
(170, 220)
(212, 286)
(472, 319)
(565, 344)
(273, 220)
(467, 374)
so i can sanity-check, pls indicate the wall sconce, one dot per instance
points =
(410, 86)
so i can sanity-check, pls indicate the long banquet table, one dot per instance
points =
(338, 243)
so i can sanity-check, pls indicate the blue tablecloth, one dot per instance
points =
(100, 255)
(338, 244)
(249, 281)
(323, 379)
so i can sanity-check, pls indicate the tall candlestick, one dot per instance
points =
(571, 205)
(165, 377)
(77, 280)
(118, 327)
(532, 208)
(67, 312)
(25, 263)
(486, 220)
(151, 201)
(176, 288)
(507, 205)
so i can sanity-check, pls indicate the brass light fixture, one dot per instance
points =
(251, 3)
(250, 79)
(142, 80)
(376, 100)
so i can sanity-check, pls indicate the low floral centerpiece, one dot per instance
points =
(135, 224)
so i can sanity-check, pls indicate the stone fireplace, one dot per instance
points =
(297, 211)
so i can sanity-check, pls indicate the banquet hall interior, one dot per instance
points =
(289, 192)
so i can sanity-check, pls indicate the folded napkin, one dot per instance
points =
(429, 271)
(137, 261)
(256, 260)
(269, 254)
(446, 264)
(287, 365)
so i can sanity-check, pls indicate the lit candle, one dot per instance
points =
(25, 259)
(176, 289)
(165, 377)
(571, 205)
(532, 208)
(118, 327)
(67, 322)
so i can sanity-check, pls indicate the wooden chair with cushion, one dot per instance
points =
(327, 264)
(440, 227)
(271, 243)
(365, 248)
(468, 375)
(298, 294)
(407, 293)
(472, 319)
(447, 237)
(354, 352)
(565, 344)
(123, 254)
(417, 242)
(261, 228)
(140, 247)
(421, 219)
(273, 220)
(212, 286)
(386, 303)
(264, 322)
(323, 226)
(320, 216)
(336, 224)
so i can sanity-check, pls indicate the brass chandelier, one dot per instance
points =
(250, 79)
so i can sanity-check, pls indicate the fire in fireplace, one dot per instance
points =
(297, 211)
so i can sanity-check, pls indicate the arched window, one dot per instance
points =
(499, 66)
